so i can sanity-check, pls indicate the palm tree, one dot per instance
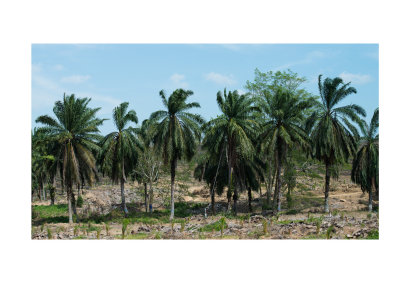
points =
(233, 131)
(283, 129)
(119, 150)
(333, 135)
(177, 131)
(74, 133)
(365, 170)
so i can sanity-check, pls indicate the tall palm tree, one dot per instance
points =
(75, 134)
(333, 135)
(177, 132)
(285, 116)
(119, 150)
(365, 170)
(235, 129)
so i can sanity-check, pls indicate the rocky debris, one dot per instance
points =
(104, 200)
(143, 229)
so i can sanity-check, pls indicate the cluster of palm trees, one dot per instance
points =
(247, 145)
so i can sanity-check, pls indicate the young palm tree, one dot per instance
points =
(285, 113)
(119, 150)
(177, 131)
(75, 133)
(365, 170)
(333, 135)
(237, 128)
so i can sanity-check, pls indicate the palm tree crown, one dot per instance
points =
(120, 149)
(365, 170)
(235, 130)
(285, 114)
(75, 134)
(176, 132)
(333, 135)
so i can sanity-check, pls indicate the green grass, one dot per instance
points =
(215, 226)
(136, 236)
(314, 237)
(50, 214)
(373, 235)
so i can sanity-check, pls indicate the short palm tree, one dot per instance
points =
(75, 134)
(333, 135)
(119, 150)
(283, 129)
(177, 131)
(235, 130)
(365, 170)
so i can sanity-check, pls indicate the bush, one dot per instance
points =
(49, 234)
(125, 223)
(79, 201)
(373, 235)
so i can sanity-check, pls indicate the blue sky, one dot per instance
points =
(111, 74)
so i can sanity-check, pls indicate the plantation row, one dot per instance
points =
(251, 142)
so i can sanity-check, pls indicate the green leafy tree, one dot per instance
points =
(120, 149)
(149, 165)
(235, 130)
(333, 135)
(177, 131)
(74, 133)
(285, 114)
(365, 169)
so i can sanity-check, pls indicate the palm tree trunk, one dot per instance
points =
(213, 200)
(123, 197)
(70, 220)
(202, 173)
(79, 190)
(327, 179)
(249, 197)
(370, 194)
(145, 197)
(279, 184)
(173, 168)
(73, 201)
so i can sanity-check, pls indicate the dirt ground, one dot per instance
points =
(348, 218)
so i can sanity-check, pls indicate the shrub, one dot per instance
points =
(76, 230)
(373, 235)
(107, 229)
(318, 224)
(98, 233)
(329, 232)
(125, 223)
(49, 234)
(222, 223)
(265, 226)
(79, 201)
(292, 212)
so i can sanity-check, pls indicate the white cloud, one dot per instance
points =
(233, 47)
(241, 91)
(58, 67)
(220, 79)
(75, 79)
(310, 57)
(355, 78)
(179, 80)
